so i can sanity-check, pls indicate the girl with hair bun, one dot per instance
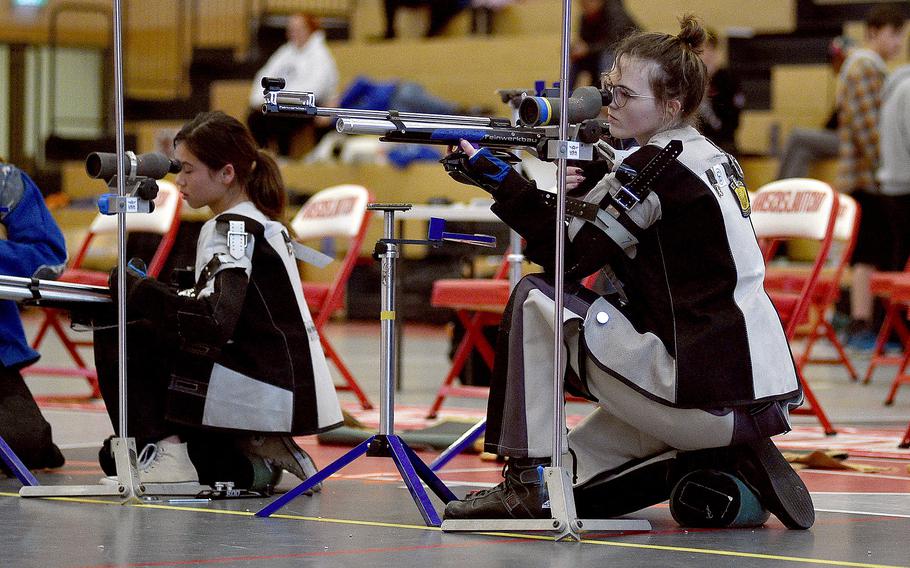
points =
(236, 366)
(684, 354)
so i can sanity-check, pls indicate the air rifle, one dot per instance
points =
(535, 131)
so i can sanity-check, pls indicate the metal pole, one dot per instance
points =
(121, 219)
(388, 354)
(564, 523)
(559, 362)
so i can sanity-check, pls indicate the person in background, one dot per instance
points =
(483, 15)
(859, 92)
(602, 24)
(807, 145)
(894, 173)
(724, 100)
(441, 13)
(306, 64)
(31, 244)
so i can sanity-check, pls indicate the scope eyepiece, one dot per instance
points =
(273, 83)
(585, 103)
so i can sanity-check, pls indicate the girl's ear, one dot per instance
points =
(227, 174)
(674, 107)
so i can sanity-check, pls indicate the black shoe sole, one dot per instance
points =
(779, 487)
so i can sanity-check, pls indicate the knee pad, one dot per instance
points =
(708, 498)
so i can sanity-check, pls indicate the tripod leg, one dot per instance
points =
(459, 445)
(412, 480)
(427, 475)
(318, 478)
(15, 464)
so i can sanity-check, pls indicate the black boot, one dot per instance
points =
(761, 465)
(520, 496)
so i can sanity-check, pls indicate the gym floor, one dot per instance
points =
(364, 515)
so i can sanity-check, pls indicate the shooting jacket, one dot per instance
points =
(695, 280)
(249, 357)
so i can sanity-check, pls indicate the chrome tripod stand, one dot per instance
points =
(386, 443)
(128, 486)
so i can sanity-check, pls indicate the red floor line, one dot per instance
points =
(856, 518)
(228, 559)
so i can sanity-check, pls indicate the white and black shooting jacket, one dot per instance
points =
(693, 279)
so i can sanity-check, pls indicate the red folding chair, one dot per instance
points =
(164, 221)
(827, 291)
(900, 299)
(882, 285)
(783, 211)
(338, 212)
(478, 302)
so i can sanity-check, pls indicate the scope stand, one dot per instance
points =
(128, 486)
(564, 522)
(386, 443)
(515, 259)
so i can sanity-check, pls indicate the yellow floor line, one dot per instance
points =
(664, 548)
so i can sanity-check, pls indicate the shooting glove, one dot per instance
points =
(483, 169)
(136, 271)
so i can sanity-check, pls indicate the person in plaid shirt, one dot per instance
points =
(859, 91)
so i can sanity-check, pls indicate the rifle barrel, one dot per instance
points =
(347, 125)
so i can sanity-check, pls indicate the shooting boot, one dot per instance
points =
(520, 496)
(781, 491)
(281, 452)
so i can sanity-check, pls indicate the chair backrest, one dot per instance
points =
(164, 221)
(797, 208)
(846, 229)
(335, 212)
(847, 224)
(338, 211)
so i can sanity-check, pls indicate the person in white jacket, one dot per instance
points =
(306, 64)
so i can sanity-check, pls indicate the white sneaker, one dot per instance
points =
(281, 452)
(164, 462)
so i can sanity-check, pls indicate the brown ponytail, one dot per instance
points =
(679, 71)
(218, 139)
(266, 188)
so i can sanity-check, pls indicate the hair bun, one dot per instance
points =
(691, 33)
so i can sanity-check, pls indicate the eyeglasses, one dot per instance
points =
(620, 94)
